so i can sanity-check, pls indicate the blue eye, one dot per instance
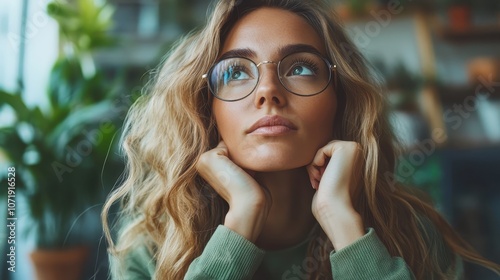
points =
(302, 71)
(302, 66)
(235, 73)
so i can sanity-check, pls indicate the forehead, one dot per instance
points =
(266, 31)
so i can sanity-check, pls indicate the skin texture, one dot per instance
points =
(313, 115)
(279, 186)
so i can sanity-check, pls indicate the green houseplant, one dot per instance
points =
(62, 154)
(57, 170)
(403, 84)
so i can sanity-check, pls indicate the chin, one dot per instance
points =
(267, 166)
(271, 160)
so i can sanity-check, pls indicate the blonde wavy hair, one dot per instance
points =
(168, 208)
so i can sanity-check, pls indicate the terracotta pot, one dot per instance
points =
(483, 68)
(64, 264)
(460, 17)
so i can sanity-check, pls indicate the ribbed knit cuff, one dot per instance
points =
(229, 255)
(367, 258)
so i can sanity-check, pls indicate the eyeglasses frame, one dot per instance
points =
(332, 67)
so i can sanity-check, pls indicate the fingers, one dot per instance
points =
(322, 155)
(318, 165)
(224, 176)
(341, 158)
(221, 149)
(221, 145)
(314, 176)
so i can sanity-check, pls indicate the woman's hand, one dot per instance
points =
(335, 173)
(249, 203)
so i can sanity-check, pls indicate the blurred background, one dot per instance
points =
(70, 69)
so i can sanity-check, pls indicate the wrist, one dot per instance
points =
(342, 225)
(246, 221)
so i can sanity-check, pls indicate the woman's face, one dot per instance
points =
(298, 126)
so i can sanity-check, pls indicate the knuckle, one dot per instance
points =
(203, 160)
(321, 207)
(351, 145)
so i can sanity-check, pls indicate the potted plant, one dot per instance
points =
(402, 85)
(59, 153)
(403, 88)
(359, 7)
(58, 156)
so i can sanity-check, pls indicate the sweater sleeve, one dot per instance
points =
(367, 258)
(138, 265)
(227, 255)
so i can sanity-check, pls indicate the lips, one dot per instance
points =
(271, 125)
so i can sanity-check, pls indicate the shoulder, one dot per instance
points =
(136, 261)
(140, 261)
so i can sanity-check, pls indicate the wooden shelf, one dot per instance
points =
(458, 93)
(474, 34)
(472, 146)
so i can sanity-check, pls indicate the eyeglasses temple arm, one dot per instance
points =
(334, 69)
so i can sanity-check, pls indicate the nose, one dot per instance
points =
(269, 90)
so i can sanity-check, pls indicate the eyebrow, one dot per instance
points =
(247, 53)
(282, 51)
(289, 49)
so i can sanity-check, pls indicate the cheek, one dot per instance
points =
(230, 119)
(226, 118)
(319, 116)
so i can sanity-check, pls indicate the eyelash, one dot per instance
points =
(236, 67)
(307, 62)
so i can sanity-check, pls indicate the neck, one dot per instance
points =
(290, 218)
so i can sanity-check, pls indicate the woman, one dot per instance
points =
(262, 152)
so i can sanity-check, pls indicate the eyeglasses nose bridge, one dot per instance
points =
(269, 62)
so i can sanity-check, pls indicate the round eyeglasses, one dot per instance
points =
(301, 73)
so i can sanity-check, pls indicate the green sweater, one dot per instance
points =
(229, 255)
